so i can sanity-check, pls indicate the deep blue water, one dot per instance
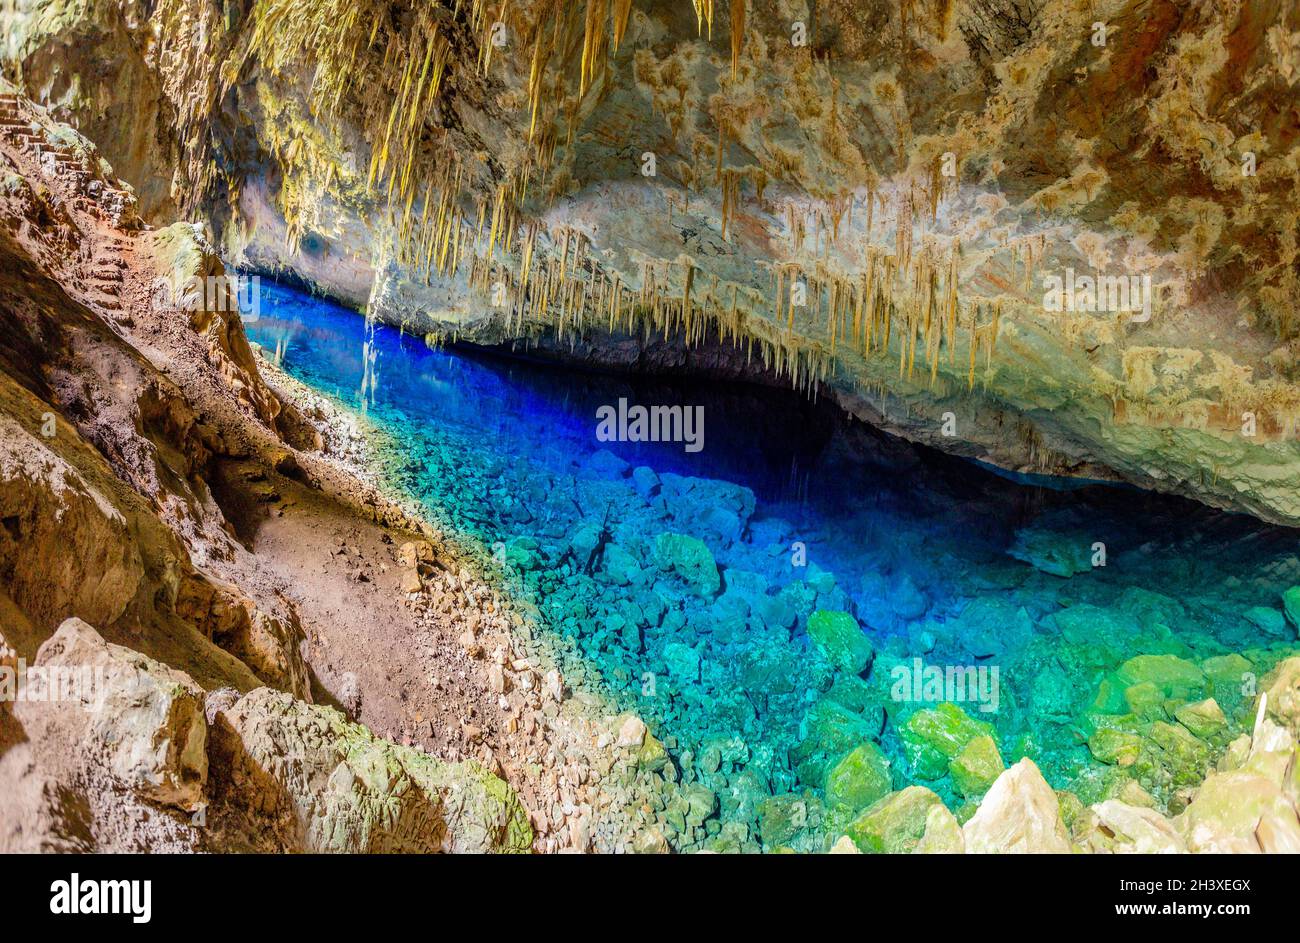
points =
(906, 539)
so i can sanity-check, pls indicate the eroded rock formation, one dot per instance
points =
(894, 200)
(127, 600)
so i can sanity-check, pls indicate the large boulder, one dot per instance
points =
(1291, 606)
(1282, 692)
(859, 778)
(934, 737)
(332, 786)
(1174, 677)
(1121, 828)
(828, 731)
(689, 558)
(838, 636)
(143, 721)
(896, 824)
(1052, 551)
(1019, 814)
(976, 767)
(1238, 812)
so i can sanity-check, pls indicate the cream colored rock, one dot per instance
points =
(631, 733)
(1227, 810)
(1138, 830)
(1278, 832)
(143, 720)
(1282, 688)
(844, 846)
(1019, 814)
(943, 835)
(268, 644)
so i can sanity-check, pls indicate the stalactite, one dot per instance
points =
(737, 34)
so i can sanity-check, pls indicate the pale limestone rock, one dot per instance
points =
(1279, 832)
(1020, 814)
(144, 720)
(1138, 830)
(631, 733)
(943, 834)
(1227, 809)
(1282, 687)
(844, 846)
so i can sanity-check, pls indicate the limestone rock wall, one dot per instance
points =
(549, 173)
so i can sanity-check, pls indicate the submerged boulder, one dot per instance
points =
(689, 558)
(1052, 551)
(932, 738)
(1172, 676)
(895, 824)
(1291, 606)
(838, 636)
(828, 731)
(989, 625)
(859, 778)
(976, 767)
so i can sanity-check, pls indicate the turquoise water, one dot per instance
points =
(801, 512)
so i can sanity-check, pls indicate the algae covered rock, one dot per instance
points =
(1203, 718)
(1291, 606)
(1172, 676)
(896, 824)
(976, 767)
(689, 558)
(1019, 814)
(859, 778)
(783, 819)
(932, 738)
(1112, 745)
(838, 637)
(828, 731)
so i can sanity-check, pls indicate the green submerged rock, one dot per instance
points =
(932, 738)
(839, 637)
(1174, 677)
(784, 819)
(1117, 747)
(1291, 606)
(1203, 718)
(828, 731)
(690, 558)
(859, 779)
(976, 766)
(896, 824)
